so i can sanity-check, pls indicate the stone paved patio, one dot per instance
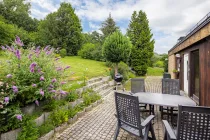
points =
(100, 123)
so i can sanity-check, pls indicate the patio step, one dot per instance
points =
(101, 88)
(98, 79)
(105, 92)
(93, 80)
(96, 84)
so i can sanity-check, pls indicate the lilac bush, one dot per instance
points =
(29, 76)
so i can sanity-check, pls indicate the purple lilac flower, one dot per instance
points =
(41, 92)
(6, 99)
(3, 48)
(9, 75)
(15, 89)
(12, 49)
(42, 78)
(51, 86)
(37, 102)
(62, 83)
(62, 92)
(9, 49)
(56, 59)
(67, 67)
(39, 70)
(19, 117)
(54, 80)
(53, 91)
(29, 56)
(46, 48)
(17, 53)
(37, 49)
(32, 67)
(18, 41)
(33, 85)
(59, 69)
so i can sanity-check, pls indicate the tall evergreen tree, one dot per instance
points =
(108, 26)
(143, 44)
(62, 29)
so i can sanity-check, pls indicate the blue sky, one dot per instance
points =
(169, 19)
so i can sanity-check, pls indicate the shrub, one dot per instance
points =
(29, 131)
(63, 53)
(117, 48)
(97, 54)
(72, 96)
(53, 104)
(45, 128)
(159, 64)
(59, 116)
(87, 51)
(86, 99)
(29, 76)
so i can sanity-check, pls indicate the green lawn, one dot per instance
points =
(2, 57)
(81, 66)
(155, 71)
(151, 72)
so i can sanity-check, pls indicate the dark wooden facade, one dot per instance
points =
(203, 47)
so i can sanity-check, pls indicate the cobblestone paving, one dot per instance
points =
(100, 123)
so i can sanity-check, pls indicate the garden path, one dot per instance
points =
(100, 123)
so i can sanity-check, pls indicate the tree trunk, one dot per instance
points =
(116, 69)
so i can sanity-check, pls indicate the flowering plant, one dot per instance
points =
(29, 76)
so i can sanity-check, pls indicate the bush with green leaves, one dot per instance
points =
(59, 116)
(29, 76)
(159, 64)
(89, 96)
(72, 96)
(63, 53)
(29, 130)
(87, 51)
(117, 48)
(45, 128)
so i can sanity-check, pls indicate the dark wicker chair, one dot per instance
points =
(169, 86)
(193, 124)
(128, 117)
(138, 85)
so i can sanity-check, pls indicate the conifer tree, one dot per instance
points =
(108, 26)
(140, 35)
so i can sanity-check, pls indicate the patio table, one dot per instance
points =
(167, 100)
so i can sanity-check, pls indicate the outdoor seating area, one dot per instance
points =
(192, 122)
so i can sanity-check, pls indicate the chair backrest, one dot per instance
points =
(170, 86)
(193, 123)
(127, 107)
(137, 85)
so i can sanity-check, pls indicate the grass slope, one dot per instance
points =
(81, 67)
(155, 71)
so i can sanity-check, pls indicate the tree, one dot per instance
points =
(143, 44)
(117, 48)
(108, 27)
(17, 12)
(62, 29)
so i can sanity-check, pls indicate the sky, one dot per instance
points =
(168, 19)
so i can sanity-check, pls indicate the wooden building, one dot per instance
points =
(189, 61)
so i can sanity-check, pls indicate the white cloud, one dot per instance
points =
(171, 17)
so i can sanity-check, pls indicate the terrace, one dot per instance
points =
(100, 123)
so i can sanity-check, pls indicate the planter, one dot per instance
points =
(176, 75)
(72, 104)
(46, 115)
(48, 135)
(74, 119)
(70, 121)
(39, 121)
(11, 135)
(88, 108)
(60, 128)
(79, 101)
(81, 113)
(29, 109)
(99, 101)
(94, 104)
